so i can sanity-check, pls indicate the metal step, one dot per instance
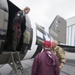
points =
(15, 63)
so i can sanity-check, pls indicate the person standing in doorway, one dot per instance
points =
(18, 28)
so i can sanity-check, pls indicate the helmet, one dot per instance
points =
(47, 44)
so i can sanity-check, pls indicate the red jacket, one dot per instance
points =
(45, 63)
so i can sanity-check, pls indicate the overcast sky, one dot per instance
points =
(43, 12)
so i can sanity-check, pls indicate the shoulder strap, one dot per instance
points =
(49, 54)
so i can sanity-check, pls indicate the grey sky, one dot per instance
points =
(43, 12)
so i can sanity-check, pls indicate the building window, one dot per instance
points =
(71, 35)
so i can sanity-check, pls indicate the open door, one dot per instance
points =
(3, 22)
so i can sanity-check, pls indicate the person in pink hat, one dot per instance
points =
(45, 63)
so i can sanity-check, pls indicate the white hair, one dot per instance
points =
(55, 41)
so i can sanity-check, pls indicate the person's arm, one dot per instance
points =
(62, 57)
(35, 66)
(57, 69)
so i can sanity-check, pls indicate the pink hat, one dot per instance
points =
(47, 44)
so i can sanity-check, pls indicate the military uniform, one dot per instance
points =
(60, 53)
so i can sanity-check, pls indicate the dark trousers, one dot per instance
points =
(24, 48)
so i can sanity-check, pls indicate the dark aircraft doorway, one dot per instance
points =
(7, 46)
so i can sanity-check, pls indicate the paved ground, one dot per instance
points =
(69, 68)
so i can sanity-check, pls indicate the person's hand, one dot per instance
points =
(61, 66)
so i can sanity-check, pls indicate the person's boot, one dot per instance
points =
(23, 48)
